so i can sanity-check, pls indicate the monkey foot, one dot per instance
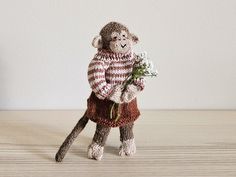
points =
(95, 151)
(127, 148)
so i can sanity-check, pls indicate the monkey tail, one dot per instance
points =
(70, 138)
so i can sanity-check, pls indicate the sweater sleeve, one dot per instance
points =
(96, 78)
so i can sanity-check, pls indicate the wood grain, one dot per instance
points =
(169, 143)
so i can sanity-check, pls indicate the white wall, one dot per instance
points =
(45, 47)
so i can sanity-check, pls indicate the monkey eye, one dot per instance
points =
(114, 38)
(124, 35)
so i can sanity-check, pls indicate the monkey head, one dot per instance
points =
(115, 38)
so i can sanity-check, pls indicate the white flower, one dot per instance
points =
(143, 55)
(150, 65)
(145, 65)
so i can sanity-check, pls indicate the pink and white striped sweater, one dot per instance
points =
(106, 70)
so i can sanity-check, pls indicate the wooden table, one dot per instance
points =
(169, 143)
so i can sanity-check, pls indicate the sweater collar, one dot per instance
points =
(107, 55)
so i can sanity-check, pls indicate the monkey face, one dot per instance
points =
(120, 42)
(115, 38)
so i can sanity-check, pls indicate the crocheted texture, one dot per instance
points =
(95, 151)
(116, 94)
(127, 148)
(101, 134)
(130, 93)
(70, 138)
(126, 132)
(107, 70)
(99, 111)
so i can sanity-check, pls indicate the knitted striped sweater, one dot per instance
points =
(107, 70)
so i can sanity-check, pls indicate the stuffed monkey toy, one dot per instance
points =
(107, 71)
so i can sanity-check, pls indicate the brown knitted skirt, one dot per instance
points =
(99, 111)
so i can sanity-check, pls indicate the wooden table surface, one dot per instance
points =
(169, 143)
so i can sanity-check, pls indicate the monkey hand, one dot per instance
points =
(130, 93)
(116, 94)
(140, 82)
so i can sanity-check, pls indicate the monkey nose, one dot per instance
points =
(123, 45)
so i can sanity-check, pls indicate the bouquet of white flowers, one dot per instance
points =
(143, 67)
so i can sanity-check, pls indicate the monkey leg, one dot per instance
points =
(128, 146)
(96, 148)
(70, 138)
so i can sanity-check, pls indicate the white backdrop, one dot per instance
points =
(45, 48)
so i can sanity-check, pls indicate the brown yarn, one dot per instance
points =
(70, 138)
(99, 111)
(126, 132)
(101, 134)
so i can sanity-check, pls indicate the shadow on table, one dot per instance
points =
(40, 140)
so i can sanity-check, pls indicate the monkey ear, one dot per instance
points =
(97, 42)
(134, 38)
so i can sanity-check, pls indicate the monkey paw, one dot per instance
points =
(95, 151)
(127, 148)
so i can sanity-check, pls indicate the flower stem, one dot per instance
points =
(117, 116)
(111, 111)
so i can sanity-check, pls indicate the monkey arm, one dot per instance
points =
(96, 78)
